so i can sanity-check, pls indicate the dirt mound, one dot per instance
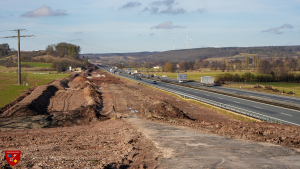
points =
(74, 75)
(269, 88)
(80, 85)
(80, 79)
(257, 86)
(80, 116)
(163, 109)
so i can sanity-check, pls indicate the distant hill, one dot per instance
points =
(203, 53)
(137, 54)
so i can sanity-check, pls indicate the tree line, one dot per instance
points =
(63, 50)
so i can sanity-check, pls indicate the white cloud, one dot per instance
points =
(44, 11)
(278, 30)
(163, 2)
(130, 5)
(167, 25)
(156, 8)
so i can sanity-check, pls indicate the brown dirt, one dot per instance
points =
(163, 109)
(80, 79)
(102, 145)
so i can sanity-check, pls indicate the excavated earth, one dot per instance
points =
(88, 121)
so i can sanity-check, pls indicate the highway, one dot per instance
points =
(288, 116)
(252, 93)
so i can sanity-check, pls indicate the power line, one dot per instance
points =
(19, 59)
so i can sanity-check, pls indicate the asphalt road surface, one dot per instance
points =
(252, 93)
(286, 115)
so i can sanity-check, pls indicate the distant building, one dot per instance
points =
(157, 67)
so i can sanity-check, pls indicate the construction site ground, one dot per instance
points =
(96, 120)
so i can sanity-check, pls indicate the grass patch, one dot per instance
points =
(35, 64)
(9, 90)
(287, 87)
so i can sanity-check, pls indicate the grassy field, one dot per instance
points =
(287, 87)
(3, 69)
(35, 64)
(9, 89)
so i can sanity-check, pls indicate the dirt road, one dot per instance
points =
(184, 148)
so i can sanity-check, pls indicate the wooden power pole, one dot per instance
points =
(19, 57)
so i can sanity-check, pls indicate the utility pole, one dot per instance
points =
(19, 57)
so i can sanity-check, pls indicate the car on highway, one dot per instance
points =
(154, 82)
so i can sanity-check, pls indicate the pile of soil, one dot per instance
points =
(257, 86)
(270, 88)
(163, 109)
(80, 116)
(80, 79)
(107, 78)
(80, 85)
(56, 104)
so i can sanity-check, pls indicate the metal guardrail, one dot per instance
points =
(217, 104)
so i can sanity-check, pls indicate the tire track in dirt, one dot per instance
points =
(66, 100)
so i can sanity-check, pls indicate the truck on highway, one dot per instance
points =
(137, 76)
(111, 70)
(182, 78)
(207, 81)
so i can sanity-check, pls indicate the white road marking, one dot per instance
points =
(286, 114)
(236, 102)
(258, 107)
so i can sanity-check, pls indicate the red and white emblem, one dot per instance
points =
(12, 156)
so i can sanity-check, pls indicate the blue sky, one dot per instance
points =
(105, 26)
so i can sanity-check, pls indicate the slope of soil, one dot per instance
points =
(66, 100)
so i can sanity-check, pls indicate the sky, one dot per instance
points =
(118, 26)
